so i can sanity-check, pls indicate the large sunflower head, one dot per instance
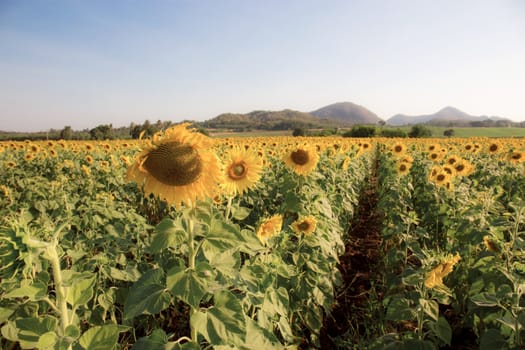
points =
(269, 228)
(305, 225)
(242, 169)
(178, 166)
(302, 160)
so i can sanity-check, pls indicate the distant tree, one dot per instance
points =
(393, 132)
(299, 132)
(148, 129)
(102, 132)
(361, 131)
(381, 123)
(66, 133)
(448, 132)
(419, 131)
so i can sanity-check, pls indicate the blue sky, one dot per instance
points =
(88, 62)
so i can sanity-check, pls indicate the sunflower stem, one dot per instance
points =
(52, 256)
(229, 207)
(192, 252)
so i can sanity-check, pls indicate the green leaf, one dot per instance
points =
(430, 307)
(260, 338)
(148, 295)
(240, 213)
(187, 285)
(220, 237)
(157, 340)
(130, 274)
(492, 339)
(72, 331)
(276, 302)
(80, 290)
(5, 313)
(100, 338)
(415, 344)
(30, 329)
(35, 291)
(168, 233)
(400, 309)
(485, 299)
(47, 340)
(442, 330)
(223, 323)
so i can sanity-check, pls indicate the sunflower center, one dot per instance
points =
(398, 149)
(493, 148)
(303, 226)
(402, 167)
(300, 157)
(237, 171)
(460, 167)
(174, 164)
(441, 177)
(516, 156)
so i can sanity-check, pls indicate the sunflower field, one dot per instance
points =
(187, 242)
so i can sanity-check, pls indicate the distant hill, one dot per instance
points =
(347, 112)
(270, 120)
(446, 116)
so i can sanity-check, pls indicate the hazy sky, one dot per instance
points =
(88, 62)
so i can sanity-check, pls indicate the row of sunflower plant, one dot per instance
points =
(178, 242)
(453, 236)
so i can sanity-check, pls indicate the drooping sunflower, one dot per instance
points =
(178, 165)
(242, 170)
(305, 225)
(435, 277)
(269, 228)
(302, 160)
(490, 244)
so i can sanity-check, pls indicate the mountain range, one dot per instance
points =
(345, 114)
(445, 116)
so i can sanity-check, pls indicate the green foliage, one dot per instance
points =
(361, 131)
(419, 131)
(388, 132)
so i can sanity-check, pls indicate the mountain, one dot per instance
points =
(270, 120)
(347, 112)
(446, 116)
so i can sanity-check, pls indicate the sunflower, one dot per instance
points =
(10, 164)
(490, 245)
(269, 228)
(494, 147)
(399, 149)
(89, 159)
(453, 159)
(242, 169)
(345, 164)
(403, 168)
(29, 157)
(86, 170)
(435, 277)
(441, 178)
(302, 160)
(463, 167)
(179, 166)
(435, 156)
(517, 157)
(305, 225)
